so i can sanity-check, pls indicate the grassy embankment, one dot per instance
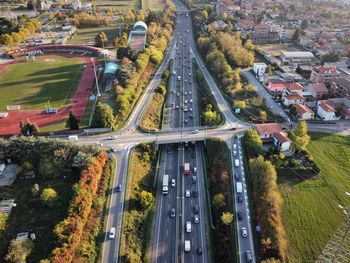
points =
(152, 119)
(137, 220)
(219, 174)
(310, 212)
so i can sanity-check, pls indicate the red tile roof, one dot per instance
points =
(319, 87)
(328, 70)
(294, 86)
(327, 105)
(300, 108)
(294, 97)
(267, 128)
(281, 137)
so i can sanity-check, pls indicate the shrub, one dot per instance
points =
(48, 196)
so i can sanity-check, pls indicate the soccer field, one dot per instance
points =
(33, 84)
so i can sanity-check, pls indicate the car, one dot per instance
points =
(185, 93)
(199, 251)
(119, 188)
(193, 155)
(113, 137)
(186, 121)
(185, 110)
(244, 232)
(196, 209)
(196, 219)
(239, 216)
(191, 109)
(172, 213)
(194, 169)
(188, 227)
(112, 150)
(173, 91)
(173, 182)
(112, 233)
(248, 255)
(190, 92)
(100, 144)
(236, 162)
(195, 131)
(194, 179)
(188, 193)
(235, 146)
(233, 128)
(191, 116)
(239, 199)
(235, 153)
(178, 94)
(185, 101)
(237, 177)
(191, 100)
(174, 72)
(195, 193)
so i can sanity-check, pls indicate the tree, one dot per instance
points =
(6, 39)
(3, 219)
(262, 115)
(19, 250)
(219, 201)
(48, 196)
(72, 122)
(101, 39)
(28, 128)
(300, 137)
(104, 116)
(227, 218)
(147, 200)
(253, 143)
(161, 89)
(240, 104)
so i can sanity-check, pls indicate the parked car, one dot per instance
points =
(196, 209)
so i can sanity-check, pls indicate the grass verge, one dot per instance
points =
(137, 220)
(310, 211)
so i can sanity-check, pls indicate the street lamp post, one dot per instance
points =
(98, 90)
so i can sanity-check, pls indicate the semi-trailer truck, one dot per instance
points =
(165, 184)
(186, 168)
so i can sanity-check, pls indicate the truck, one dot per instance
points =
(187, 168)
(165, 184)
(239, 187)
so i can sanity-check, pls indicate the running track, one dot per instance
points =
(10, 125)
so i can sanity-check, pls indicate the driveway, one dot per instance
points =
(9, 175)
(275, 108)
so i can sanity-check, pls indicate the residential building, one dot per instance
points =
(340, 87)
(259, 70)
(272, 132)
(318, 90)
(288, 100)
(297, 57)
(275, 86)
(293, 89)
(324, 75)
(246, 24)
(326, 110)
(303, 112)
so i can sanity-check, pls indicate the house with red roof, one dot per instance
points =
(326, 110)
(293, 89)
(275, 86)
(304, 112)
(318, 90)
(272, 132)
(324, 75)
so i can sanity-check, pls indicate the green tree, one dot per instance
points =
(72, 122)
(161, 89)
(219, 200)
(104, 116)
(253, 143)
(263, 116)
(49, 196)
(240, 104)
(227, 218)
(101, 39)
(28, 128)
(19, 250)
(147, 200)
(6, 39)
(300, 137)
(3, 219)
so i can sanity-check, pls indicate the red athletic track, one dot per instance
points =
(10, 125)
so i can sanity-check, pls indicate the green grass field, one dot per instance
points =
(310, 212)
(33, 84)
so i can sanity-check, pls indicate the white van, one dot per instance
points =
(236, 162)
(2, 168)
(187, 246)
(112, 233)
(73, 138)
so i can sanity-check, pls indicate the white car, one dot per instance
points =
(188, 193)
(234, 153)
(188, 227)
(113, 137)
(195, 131)
(244, 232)
(196, 219)
(235, 146)
(100, 144)
(112, 233)
(194, 169)
(173, 182)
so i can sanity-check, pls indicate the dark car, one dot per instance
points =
(119, 188)
(193, 155)
(172, 213)
(249, 256)
(237, 176)
(239, 216)
(196, 209)
(239, 199)
(195, 193)
(199, 251)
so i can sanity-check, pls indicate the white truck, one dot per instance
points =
(165, 184)
(239, 187)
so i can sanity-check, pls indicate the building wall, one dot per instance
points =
(327, 116)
